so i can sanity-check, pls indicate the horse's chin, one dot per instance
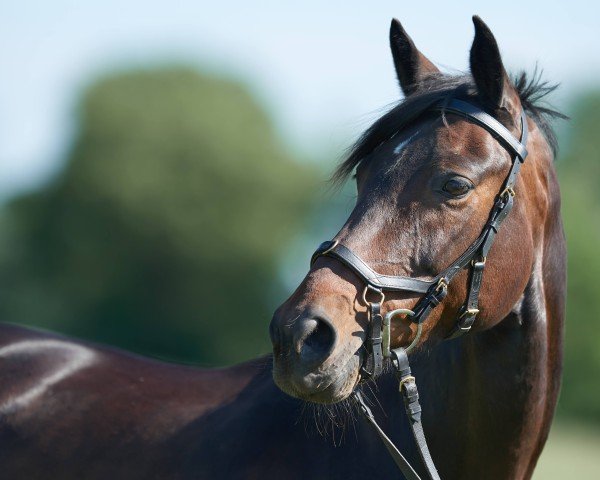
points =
(324, 386)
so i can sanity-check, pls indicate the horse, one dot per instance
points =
(427, 179)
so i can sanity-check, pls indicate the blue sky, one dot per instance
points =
(322, 69)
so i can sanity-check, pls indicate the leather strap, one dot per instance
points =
(433, 298)
(396, 455)
(494, 127)
(502, 207)
(410, 394)
(470, 309)
(374, 362)
(336, 250)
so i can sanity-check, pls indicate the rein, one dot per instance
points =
(434, 291)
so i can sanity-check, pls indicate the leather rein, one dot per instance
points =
(474, 258)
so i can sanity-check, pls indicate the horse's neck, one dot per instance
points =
(488, 397)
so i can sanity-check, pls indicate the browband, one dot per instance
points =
(493, 126)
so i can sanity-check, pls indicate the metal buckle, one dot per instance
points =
(410, 378)
(317, 253)
(441, 285)
(373, 289)
(508, 190)
(469, 311)
(481, 261)
(333, 245)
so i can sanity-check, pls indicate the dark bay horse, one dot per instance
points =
(426, 183)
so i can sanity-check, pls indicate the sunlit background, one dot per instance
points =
(163, 165)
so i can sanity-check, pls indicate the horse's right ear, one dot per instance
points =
(493, 84)
(411, 65)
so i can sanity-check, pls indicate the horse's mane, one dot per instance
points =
(532, 91)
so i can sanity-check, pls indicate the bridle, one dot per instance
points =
(434, 291)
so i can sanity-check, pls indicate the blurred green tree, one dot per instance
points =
(579, 171)
(163, 231)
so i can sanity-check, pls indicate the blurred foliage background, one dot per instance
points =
(162, 232)
(166, 231)
(579, 173)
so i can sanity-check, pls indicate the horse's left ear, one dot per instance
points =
(411, 65)
(493, 84)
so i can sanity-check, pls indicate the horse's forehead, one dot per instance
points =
(438, 142)
(454, 137)
(465, 139)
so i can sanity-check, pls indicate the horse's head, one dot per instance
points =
(426, 183)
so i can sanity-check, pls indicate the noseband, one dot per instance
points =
(434, 291)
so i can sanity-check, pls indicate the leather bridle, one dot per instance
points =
(434, 290)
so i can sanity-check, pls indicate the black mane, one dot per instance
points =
(532, 91)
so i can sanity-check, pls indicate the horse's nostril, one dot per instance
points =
(317, 340)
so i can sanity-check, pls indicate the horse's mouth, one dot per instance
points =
(324, 388)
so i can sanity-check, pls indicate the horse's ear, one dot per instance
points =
(411, 65)
(493, 84)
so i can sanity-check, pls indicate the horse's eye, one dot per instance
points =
(457, 186)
